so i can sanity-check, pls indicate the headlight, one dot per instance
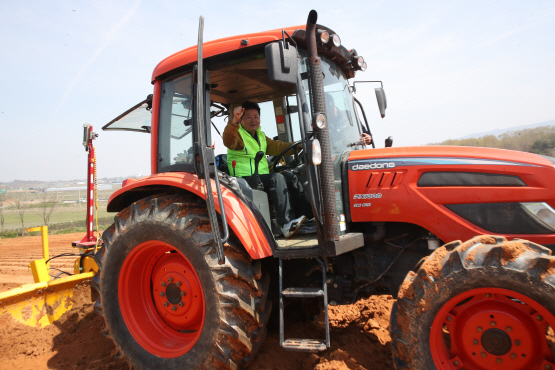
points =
(363, 67)
(336, 40)
(359, 60)
(316, 152)
(324, 36)
(543, 212)
(319, 121)
(507, 218)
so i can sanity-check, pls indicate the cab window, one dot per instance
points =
(268, 119)
(175, 126)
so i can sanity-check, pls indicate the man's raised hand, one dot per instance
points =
(237, 114)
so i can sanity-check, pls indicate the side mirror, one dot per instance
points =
(382, 102)
(281, 60)
(389, 142)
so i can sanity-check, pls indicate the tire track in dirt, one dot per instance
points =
(16, 255)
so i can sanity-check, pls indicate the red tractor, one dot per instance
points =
(185, 271)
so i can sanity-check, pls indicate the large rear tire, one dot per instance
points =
(166, 301)
(484, 304)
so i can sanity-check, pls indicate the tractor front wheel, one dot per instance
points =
(166, 301)
(483, 304)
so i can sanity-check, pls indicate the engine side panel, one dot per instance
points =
(383, 186)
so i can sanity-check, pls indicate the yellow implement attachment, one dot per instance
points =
(44, 237)
(43, 302)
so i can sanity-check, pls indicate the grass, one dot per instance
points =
(66, 217)
(73, 195)
(12, 234)
(63, 228)
(79, 229)
(33, 216)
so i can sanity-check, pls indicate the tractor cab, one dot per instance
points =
(271, 69)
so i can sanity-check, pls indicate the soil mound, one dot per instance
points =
(74, 341)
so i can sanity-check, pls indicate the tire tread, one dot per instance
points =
(483, 257)
(241, 285)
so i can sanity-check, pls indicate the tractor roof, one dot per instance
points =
(217, 47)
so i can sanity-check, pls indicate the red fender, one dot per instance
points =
(239, 217)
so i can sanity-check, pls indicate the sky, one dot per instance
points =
(449, 69)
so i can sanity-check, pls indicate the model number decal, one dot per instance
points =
(358, 205)
(368, 196)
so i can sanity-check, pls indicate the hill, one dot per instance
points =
(539, 140)
(501, 131)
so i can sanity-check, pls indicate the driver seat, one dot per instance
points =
(221, 163)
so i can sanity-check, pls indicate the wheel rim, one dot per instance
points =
(492, 328)
(161, 299)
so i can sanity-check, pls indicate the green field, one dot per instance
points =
(67, 212)
(33, 216)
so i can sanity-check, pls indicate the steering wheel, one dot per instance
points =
(291, 165)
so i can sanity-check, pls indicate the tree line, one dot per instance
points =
(47, 204)
(539, 140)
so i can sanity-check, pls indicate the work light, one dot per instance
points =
(316, 152)
(324, 36)
(320, 121)
(336, 40)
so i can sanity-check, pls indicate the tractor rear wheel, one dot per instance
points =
(483, 304)
(166, 301)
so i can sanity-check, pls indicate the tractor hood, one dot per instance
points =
(455, 192)
(422, 155)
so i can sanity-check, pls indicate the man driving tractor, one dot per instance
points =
(244, 138)
(337, 119)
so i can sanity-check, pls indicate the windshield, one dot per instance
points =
(343, 127)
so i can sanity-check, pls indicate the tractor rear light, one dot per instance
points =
(316, 155)
(336, 40)
(543, 212)
(324, 36)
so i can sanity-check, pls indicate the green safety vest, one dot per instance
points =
(245, 157)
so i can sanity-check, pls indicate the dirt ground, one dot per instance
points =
(359, 332)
